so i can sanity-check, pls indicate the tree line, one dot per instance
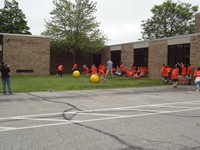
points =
(74, 28)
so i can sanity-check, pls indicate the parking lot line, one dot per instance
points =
(66, 122)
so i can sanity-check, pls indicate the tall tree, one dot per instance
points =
(12, 19)
(169, 19)
(74, 28)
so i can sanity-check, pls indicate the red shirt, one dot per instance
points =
(60, 68)
(101, 72)
(197, 73)
(162, 69)
(94, 70)
(189, 70)
(165, 72)
(75, 66)
(183, 70)
(175, 73)
(86, 70)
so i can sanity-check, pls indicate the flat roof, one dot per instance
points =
(165, 38)
(28, 35)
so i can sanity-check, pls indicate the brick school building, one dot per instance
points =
(153, 53)
(25, 54)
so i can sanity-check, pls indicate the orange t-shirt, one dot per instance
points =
(189, 70)
(75, 66)
(86, 70)
(101, 72)
(94, 70)
(129, 73)
(183, 70)
(60, 68)
(162, 69)
(165, 72)
(197, 73)
(175, 73)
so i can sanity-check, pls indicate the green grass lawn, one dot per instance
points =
(67, 82)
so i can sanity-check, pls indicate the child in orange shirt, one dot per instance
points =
(93, 69)
(85, 70)
(102, 75)
(175, 76)
(166, 75)
(197, 79)
(189, 74)
(60, 70)
(183, 72)
(75, 67)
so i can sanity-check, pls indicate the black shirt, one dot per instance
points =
(5, 72)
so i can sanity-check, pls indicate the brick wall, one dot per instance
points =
(197, 22)
(127, 55)
(195, 51)
(105, 55)
(27, 53)
(157, 57)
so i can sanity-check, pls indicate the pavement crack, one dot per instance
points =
(52, 101)
(116, 138)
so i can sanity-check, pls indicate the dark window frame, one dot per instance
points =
(141, 57)
(116, 57)
(179, 53)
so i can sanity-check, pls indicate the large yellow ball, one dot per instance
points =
(76, 74)
(94, 78)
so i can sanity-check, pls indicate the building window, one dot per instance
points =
(116, 58)
(141, 57)
(96, 59)
(178, 54)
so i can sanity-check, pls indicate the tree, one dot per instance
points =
(169, 19)
(73, 27)
(12, 19)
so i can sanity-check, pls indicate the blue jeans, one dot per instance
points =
(6, 81)
(197, 84)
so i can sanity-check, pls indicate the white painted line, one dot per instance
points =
(131, 107)
(97, 110)
(143, 110)
(43, 119)
(174, 107)
(38, 115)
(100, 119)
(7, 128)
(99, 114)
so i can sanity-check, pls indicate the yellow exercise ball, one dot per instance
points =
(76, 74)
(94, 78)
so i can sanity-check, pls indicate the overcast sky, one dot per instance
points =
(120, 19)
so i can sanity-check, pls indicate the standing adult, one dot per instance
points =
(109, 68)
(5, 77)
(197, 79)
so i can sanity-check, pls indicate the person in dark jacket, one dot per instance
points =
(4, 69)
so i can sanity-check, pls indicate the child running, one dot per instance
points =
(102, 75)
(197, 80)
(175, 76)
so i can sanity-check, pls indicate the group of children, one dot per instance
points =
(185, 71)
(168, 73)
(135, 72)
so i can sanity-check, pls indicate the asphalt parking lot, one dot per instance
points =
(155, 118)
